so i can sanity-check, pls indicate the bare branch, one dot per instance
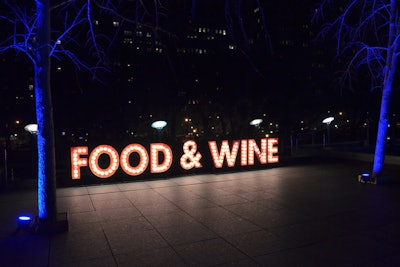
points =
(361, 31)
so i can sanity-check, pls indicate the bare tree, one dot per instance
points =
(30, 33)
(367, 34)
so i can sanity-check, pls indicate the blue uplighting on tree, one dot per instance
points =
(47, 208)
(369, 30)
(31, 36)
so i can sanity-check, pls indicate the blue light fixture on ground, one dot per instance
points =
(24, 221)
(365, 178)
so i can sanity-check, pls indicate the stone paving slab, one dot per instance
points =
(310, 214)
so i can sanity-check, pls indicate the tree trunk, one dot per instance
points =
(390, 71)
(379, 155)
(47, 207)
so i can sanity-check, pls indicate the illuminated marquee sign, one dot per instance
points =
(160, 156)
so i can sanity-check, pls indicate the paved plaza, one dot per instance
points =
(311, 213)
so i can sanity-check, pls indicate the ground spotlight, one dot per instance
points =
(24, 221)
(368, 178)
(364, 177)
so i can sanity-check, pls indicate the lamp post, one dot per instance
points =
(33, 129)
(328, 121)
(256, 123)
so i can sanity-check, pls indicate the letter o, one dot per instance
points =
(94, 161)
(143, 161)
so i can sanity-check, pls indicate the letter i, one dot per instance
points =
(243, 152)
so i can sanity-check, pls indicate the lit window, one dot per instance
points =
(128, 41)
(115, 23)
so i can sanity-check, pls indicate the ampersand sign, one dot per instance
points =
(190, 158)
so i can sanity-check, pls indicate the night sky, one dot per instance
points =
(190, 68)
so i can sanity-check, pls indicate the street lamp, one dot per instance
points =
(159, 125)
(328, 121)
(31, 128)
(256, 122)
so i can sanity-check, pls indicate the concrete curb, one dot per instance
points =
(333, 153)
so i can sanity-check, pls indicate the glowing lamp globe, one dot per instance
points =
(256, 122)
(159, 125)
(31, 128)
(328, 120)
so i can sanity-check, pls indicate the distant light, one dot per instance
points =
(328, 120)
(256, 122)
(159, 125)
(31, 128)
